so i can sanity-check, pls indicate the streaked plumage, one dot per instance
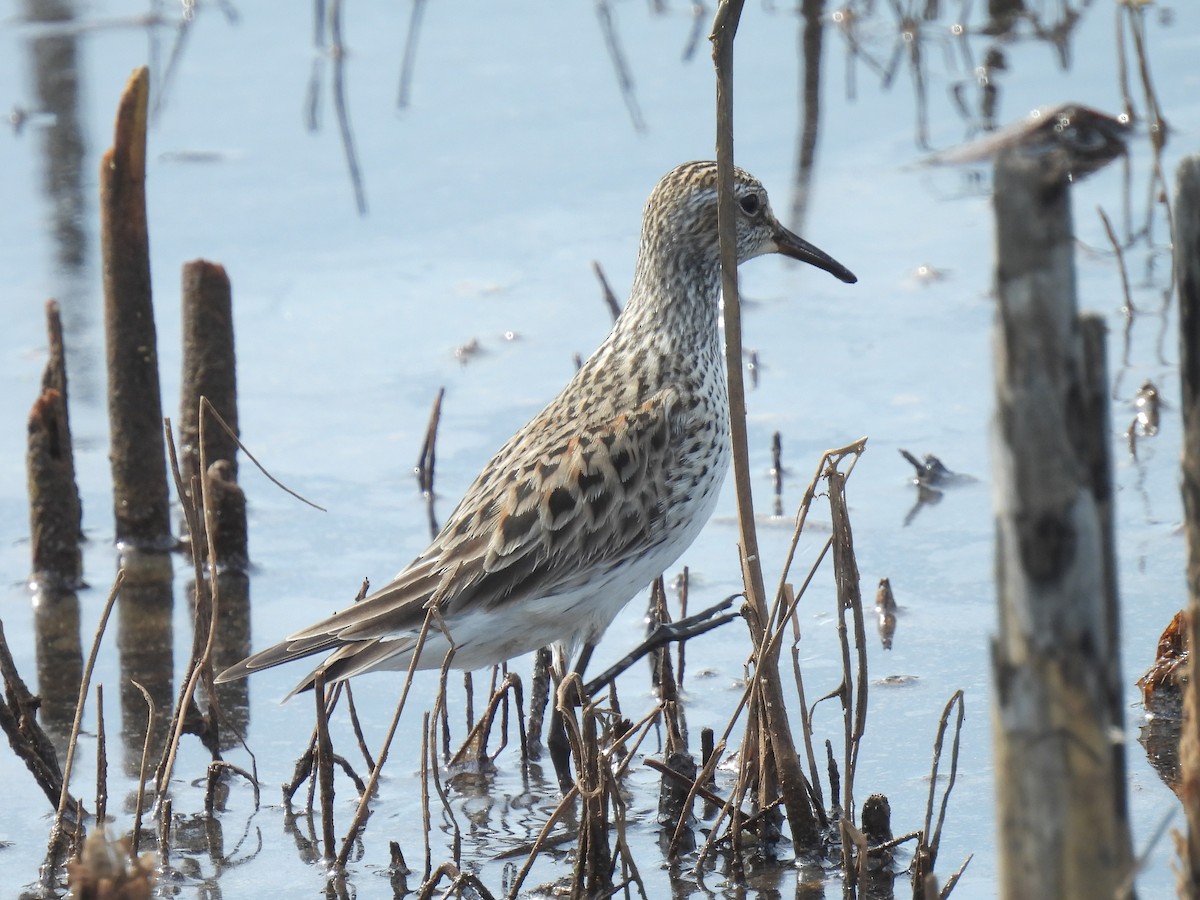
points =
(598, 493)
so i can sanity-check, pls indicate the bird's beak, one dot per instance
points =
(796, 247)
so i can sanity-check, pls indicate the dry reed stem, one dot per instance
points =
(166, 814)
(447, 809)
(683, 582)
(426, 819)
(543, 839)
(139, 804)
(340, 108)
(460, 878)
(356, 725)
(539, 698)
(927, 849)
(18, 717)
(789, 601)
(427, 459)
(215, 768)
(479, 732)
(1130, 310)
(360, 814)
(200, 665)
(409, 57)
(324, 774)
(304, 765)
(84, 687)
(610, 299)
(620, 66)
(216, 416)
(849, 600)
(101, 760)
(800, 817)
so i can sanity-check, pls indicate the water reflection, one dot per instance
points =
(54, 70)
(59, 661)
(145, 637)
(232, 646)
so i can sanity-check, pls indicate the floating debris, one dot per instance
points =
(464, 353)
(1163, 682)
(926, 274)
(1162, 695)
(885, 610)
(932, 472)
(1147, 403)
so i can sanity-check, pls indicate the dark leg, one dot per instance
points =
(557, 742)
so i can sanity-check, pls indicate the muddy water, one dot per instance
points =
(515, 164)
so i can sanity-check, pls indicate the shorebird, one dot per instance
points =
(597, 494)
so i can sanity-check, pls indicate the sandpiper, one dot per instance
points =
(598, 493)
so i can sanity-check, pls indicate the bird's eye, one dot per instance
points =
(750, 204)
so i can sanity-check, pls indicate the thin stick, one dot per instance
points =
(360, 815)
(610, 299)
(408, 60)
(84, 686)
(1129, 310)
(324, 767)
(139, 805)
(101, 760)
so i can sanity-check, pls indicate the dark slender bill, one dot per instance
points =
(796, 247)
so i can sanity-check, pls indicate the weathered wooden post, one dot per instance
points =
(1063, 829)
(137, 449)
(1187, 277)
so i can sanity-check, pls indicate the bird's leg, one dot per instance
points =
(557, 743)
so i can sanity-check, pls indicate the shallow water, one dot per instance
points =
(513, 168)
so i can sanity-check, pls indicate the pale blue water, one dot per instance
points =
(513, 168)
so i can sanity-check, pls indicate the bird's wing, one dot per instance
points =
(531, 525)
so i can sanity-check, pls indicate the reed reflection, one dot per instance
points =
(59, 661)
(145, 637)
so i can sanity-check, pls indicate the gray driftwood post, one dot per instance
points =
(1058, 727)
(1187, 276)
(137, 449)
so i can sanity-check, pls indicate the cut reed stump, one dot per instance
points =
(55, 513)
(53, 501)
(209, 368)
(137, 451)
(210, 373)
(1187, 276)
(1057, 716)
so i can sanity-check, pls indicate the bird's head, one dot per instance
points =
(681, 215)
